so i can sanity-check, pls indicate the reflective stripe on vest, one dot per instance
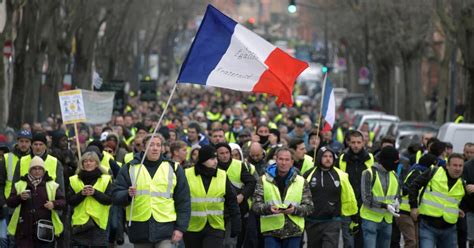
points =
(154, 195)
(234, 172)
(368, 163)
(439, 201)
(51, 188)
(206, 206)
(379, 214)
(50, 164)
(271, 195)
(90, 207)
(11, 160)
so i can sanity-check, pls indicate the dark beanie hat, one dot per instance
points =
(389, 157)
(39, 137)
(219, 145)
(428, 160)
(205, 153)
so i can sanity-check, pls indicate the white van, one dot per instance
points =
(457, 134)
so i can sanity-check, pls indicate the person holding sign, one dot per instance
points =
(156, 196)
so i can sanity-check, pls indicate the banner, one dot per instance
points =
(86, 106)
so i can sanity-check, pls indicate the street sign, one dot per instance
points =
(364, 74)
(8, 48)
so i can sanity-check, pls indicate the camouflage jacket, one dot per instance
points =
(290, 229)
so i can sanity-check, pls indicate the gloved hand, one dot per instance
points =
(392, 210)
(354, 228)
(396, 204)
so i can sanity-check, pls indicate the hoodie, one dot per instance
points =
(325, 186)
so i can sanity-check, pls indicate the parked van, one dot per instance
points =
(457, 134)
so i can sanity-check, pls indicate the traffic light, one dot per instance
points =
(324, 69)
(292, 6)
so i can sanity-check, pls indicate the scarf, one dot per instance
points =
(34, 181)
(89, 177)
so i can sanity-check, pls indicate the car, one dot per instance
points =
(458, 134)
(355, 101)
(407, 132)
(357, 115)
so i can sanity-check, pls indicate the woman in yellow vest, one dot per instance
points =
(35, 197)
(90, 195)
(380, 199)
(211, 194)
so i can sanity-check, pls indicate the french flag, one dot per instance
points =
(225, 54)
(329, 105)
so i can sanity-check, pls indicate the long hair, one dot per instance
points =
(92, 156)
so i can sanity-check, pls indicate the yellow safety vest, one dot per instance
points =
(348, 200)
(51, 188)
(233, 173)
(271, 196)
(90, 207)
(128, 157)
(405, 204)
(105, 160)
(439, 201)
(10, 165)
(206, 206)
(379, 214)
(419, 154)
(340, 135)
(368, 163)
(230, 137)
(213, 117)
(154, 195)
(308, 164)
(50, 164)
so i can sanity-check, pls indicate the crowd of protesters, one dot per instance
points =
(227, 169)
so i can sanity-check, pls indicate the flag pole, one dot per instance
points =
(148, 146)
(320, 114)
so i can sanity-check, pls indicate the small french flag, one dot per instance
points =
(225, 54)
(329, 105)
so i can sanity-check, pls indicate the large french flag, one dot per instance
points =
(225, 54)
(329, 105)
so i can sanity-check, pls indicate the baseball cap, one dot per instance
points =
(24, 134)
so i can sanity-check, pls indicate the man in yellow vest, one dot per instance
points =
(211, 195)
(282, 198)
(51, 164)
(426, 138)
(333, 197)
(161, 205)
(242, 181)
(217, 136)
(380, 199)
(9, 161)
(303, 162)
(438, 209)
(354, 161)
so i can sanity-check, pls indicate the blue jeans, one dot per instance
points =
(376, 234)
(441, 238)
(272, 242)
